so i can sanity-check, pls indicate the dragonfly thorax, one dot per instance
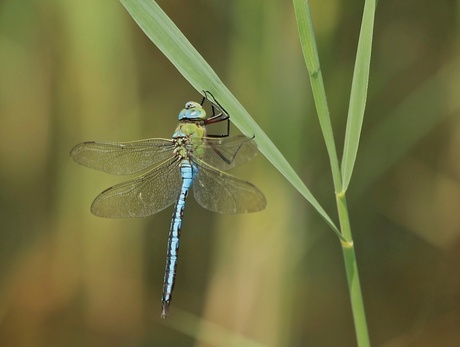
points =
(189, 138)
(192, 111)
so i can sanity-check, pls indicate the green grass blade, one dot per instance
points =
(308, 42)
(310, 53)
(168, 38)
(358, 93)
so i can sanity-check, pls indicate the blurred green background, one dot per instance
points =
(72, 71)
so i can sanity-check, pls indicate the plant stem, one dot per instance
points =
(351, 267)
(310, 52)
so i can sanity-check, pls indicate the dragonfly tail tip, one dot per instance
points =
(165, 309)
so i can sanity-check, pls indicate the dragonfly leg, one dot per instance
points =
(221, 116)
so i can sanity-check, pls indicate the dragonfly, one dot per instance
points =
(168, 168)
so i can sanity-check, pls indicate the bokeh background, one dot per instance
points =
(72, 71)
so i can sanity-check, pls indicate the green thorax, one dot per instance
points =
(190, 138)
(190, 132)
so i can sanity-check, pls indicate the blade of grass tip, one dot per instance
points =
(358, 93)
(169, 39)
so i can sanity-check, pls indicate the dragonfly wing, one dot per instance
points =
(225, 153)
(122, 158)
(223, 193)
(143, 195)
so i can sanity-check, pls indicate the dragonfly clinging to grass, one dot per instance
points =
(190, 159)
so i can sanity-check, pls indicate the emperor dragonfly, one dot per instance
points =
(190, 158)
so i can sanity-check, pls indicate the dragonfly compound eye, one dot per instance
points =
(192, 110)
(191, 104)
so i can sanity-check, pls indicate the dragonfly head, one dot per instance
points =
(192, 110)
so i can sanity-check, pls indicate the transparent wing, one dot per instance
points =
(223, 193)
(224, 153)
(122, 158)
(143, 195)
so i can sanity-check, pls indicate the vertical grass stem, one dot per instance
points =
(351, 267)
(310, 52)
